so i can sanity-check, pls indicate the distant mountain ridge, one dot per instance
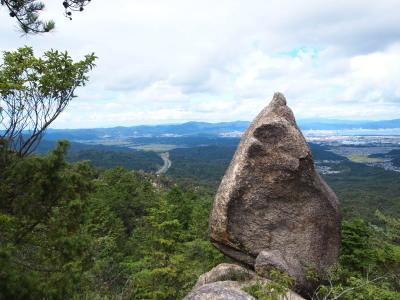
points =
(206, 129)
(168, 130)
(332, 124)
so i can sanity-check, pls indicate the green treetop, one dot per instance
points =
(33, 93)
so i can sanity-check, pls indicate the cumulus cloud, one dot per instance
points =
(178, 60)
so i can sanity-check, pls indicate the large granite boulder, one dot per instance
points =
(272, 201)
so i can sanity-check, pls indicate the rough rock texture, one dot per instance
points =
(224, 272)
(268, 260)
(226, 281)
(272, 199)
(221, 290)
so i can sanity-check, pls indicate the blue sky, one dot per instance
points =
(171, 61)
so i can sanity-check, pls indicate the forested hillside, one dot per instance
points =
(362, 189)
(76, 231)
(104, 157)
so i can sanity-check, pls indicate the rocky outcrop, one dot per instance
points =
(227, 282)
(272, 209)
(221, 290)
(225, 272)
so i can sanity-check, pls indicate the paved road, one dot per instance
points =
(167, 163)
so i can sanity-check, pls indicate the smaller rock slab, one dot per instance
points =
(227, 281)
(222, 290)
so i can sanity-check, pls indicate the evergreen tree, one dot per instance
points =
(43, 247)
(27, 12)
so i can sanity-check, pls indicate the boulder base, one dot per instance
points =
(228, 282)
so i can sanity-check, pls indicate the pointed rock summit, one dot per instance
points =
(272, 209)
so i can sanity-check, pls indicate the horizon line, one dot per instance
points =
(318, 119)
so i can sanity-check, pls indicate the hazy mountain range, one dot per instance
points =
(207, 129)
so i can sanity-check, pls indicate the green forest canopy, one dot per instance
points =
(72, 231)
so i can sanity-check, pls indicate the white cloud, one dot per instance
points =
(179, 60)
